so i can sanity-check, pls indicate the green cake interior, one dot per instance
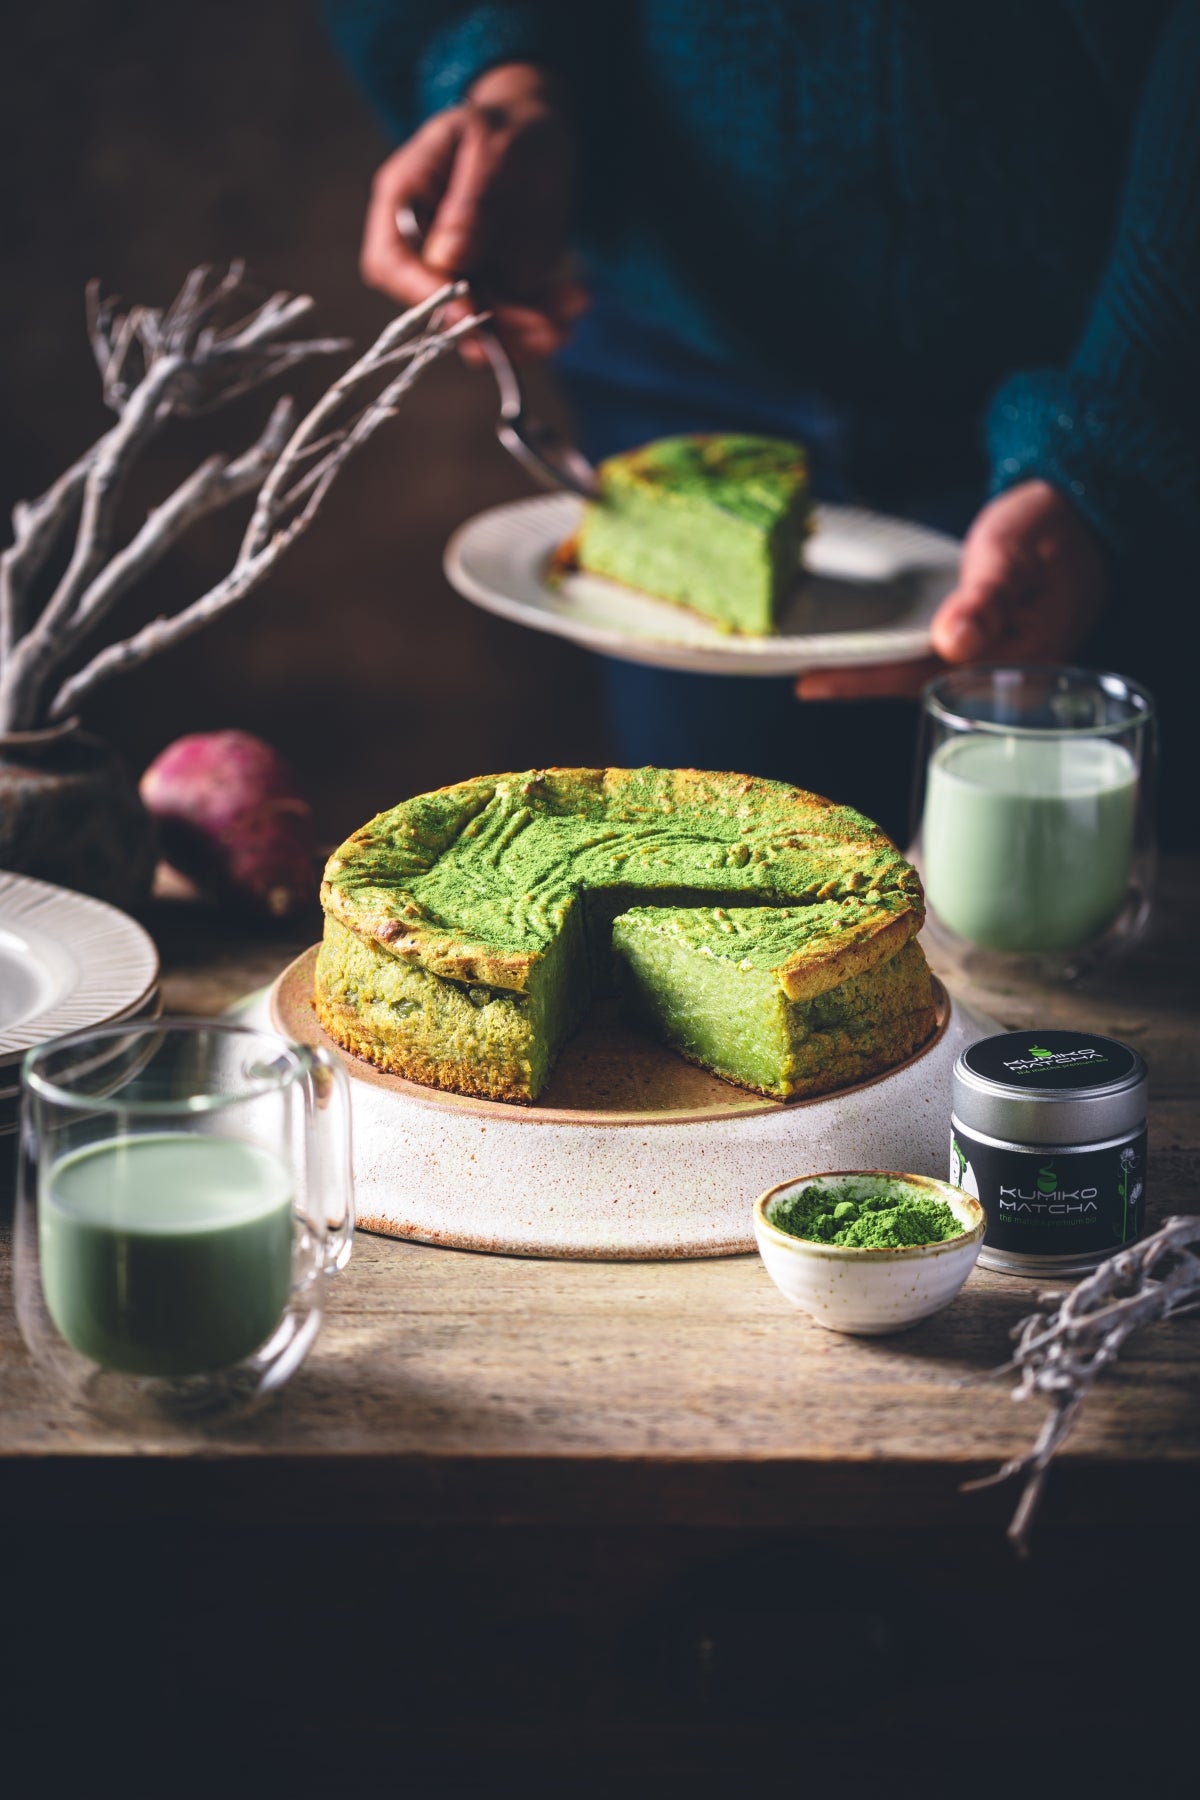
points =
(382, 1000)
(714, 523)
(706, 981)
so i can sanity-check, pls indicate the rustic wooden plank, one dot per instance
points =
(433, 1353)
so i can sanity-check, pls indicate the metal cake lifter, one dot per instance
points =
(541, 451)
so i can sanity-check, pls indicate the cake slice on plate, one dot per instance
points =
(714, 523)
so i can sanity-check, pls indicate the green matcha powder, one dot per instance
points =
(873, 1222)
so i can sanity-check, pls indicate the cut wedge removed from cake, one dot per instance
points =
(713, 983)
(714, 523)
(760, 930)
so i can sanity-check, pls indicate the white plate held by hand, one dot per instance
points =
(869, 590)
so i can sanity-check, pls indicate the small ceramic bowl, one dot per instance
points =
(870, 1292)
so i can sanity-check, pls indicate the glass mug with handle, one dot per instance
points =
(1034, 827)
(184, 1193)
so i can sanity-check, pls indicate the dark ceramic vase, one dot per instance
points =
(70, 813)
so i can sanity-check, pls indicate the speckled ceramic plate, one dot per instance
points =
(66, 962)
(869, 590)
(630, 1152)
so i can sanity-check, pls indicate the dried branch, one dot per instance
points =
(36, 526)
(401, 336)
(160, 633)
(181, 360)
(216, 483)
(1061, 1352)
(154, 364)
(216, 361)
(294, 488)
(144, 413)
(317, 479)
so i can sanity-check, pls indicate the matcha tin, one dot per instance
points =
(1048, 1132)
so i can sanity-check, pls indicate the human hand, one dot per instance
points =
(490, 181)
(1032, 583)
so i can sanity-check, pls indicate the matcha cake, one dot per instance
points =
(713, 523)
(762, 931)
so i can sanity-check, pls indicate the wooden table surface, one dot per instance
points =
(452, 1386)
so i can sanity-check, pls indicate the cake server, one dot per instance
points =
(541, 451)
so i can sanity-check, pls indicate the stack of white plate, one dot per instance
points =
(67, 962)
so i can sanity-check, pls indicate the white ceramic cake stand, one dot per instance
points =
(630, 1153)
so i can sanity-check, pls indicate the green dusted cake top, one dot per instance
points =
(754, 479)
(474, 881)
(766, 937)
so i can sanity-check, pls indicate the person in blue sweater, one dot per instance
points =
(955, 250)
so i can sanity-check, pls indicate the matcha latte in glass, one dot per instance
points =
(184, 1192)
(1034, 818)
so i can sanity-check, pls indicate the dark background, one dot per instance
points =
(140, 139)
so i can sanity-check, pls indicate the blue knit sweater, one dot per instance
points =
(937, 213)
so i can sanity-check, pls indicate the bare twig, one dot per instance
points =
(216, 361)
(402, 330)
(313, 485)
(154, 364)
(1060, 1352)
(36, 525)
(160, 633)
(294, 488)
(216, 483)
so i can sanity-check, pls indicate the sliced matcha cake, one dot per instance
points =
(762, 931)
(759, 994)
(713, 523)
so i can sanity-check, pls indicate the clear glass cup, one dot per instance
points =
(1034, 818)
(184, 1192)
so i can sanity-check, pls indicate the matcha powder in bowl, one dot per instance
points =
(885, 1220)
(868, 1250)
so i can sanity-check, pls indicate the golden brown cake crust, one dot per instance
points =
(479, 1082)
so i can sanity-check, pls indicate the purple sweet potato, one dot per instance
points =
(231, 819)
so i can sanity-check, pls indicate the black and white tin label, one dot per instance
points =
(1067, 1203)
